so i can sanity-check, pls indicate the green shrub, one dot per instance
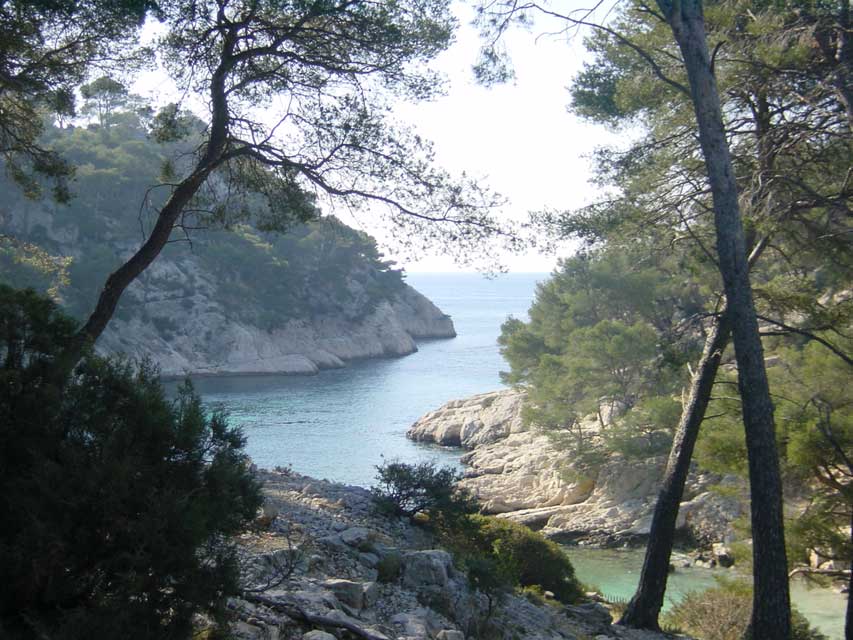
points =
(389, 567)
(115, 503)
(496, 552)
(409, 489)
(723, 613)
(527, 556)
(487, 575)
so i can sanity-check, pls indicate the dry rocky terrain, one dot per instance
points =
(329, 566)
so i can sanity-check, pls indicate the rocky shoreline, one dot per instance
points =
(206, 341)
(333, 565)
(518, 473)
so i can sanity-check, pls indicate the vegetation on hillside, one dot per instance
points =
(772, 111)
(499, 555)
(117, 506)
(260, 277)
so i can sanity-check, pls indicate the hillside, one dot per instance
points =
(224, 297)
(342, 564)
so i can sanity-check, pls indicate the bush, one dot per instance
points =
(407, 489)
(115, 503)
(525, 555)
(496, 552)
(489, 577)
(389, 567)
(723, 613)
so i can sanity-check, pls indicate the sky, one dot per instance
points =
(518, 138)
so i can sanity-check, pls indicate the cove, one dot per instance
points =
(340, 423)
(615, 574)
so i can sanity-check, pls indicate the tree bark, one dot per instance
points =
(848, 618)
(644, 608)
(771, 601)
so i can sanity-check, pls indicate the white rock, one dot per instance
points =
(477, 420)
(371, 593)
(355, 536)
(519, 473)
(426, 568)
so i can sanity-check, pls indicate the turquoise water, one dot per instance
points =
(341, 423)
(616, 572)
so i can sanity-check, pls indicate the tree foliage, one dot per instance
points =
(116, 502)
(610, 332)
(423, 488)
(47, 49)
(787, 127)
(259, 277)
(298, 105)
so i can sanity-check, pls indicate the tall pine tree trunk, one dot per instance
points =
(644, 608)
(771, 602)
(848, 618)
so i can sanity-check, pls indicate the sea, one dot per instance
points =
(342, 423)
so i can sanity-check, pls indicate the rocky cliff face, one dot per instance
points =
(194, 333)
(340, 568)
(519, 473)
(237, 302)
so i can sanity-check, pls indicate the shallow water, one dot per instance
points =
(615, 573)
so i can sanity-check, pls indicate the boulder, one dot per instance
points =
(468, 423)
(430, 568)
(723, 555)
(370, 593)
(349, 592)
(357, 537)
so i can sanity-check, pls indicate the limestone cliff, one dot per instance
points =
(231, 302)
(519, 473)
(197, 334)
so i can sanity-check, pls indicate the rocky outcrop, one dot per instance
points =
(521, 474)
(194, 333)
(190, 312)
(335, 563)
(481, 419)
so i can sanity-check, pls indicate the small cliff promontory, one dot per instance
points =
(199, 335)
(239, 302)
(520, 473)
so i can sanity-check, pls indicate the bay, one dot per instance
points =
(615, 574)
(341, 423)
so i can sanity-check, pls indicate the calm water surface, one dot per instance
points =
(616, 572)
(341, 423)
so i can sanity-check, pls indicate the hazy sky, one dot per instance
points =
(518, 137)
